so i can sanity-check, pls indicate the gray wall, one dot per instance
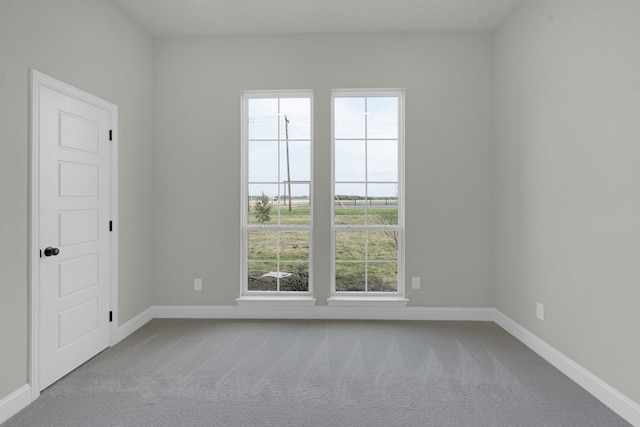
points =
(92, 45)
(567, 173)
(449, 162)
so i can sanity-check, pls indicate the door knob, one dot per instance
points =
(51, 251)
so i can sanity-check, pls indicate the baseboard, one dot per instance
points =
(135, 323)
(322, 312)
(15, 402)
(616, 401)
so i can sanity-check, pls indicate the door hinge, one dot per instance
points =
(110, 135)
(110, 225)
(111, 316)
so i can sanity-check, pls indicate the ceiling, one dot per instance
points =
(179, 18)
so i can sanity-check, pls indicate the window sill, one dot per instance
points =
(275, 301)
(363, 301)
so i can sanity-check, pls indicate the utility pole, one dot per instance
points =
(286, 128)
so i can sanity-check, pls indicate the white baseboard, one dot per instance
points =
(616, 401)
(13, 403)
(132, 325)
(322, 312)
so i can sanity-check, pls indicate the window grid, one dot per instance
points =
(366, 227)
(278, 228)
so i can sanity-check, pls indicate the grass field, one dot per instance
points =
(365, 260)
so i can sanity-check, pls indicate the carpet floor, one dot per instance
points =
(175, 372)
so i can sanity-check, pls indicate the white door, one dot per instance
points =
(74, 227)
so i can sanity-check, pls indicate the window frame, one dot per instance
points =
(355, 297)
(251, 296)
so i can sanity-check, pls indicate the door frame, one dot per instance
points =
(37, 81)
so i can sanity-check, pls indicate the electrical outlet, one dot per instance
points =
(415, 283)
(540, 311)
(197, 284)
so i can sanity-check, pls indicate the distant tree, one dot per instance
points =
(263, 209)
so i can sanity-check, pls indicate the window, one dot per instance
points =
(276, 223)
(367, 229)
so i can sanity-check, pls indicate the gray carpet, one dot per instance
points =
(316, 373)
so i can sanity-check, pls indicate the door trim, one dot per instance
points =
(37, 81)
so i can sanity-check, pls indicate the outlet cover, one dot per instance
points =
(415, 283)
(197, 284)
(540, 311)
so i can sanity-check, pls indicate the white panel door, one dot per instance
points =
(74, 201)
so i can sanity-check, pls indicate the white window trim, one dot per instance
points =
(276, 301)
(247, 297)
(367, 301)
(371, 299)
